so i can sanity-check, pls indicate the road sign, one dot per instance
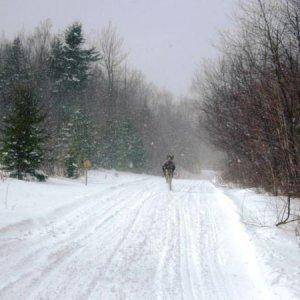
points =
(87, 164)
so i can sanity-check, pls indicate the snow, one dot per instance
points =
(278, 247)
(125, 236)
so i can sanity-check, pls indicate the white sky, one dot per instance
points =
(165, 38)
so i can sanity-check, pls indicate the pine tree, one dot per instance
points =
(128, 151)
(57, 65)
(69, 66)
(22, 151)
(14, 70)
(107, 154)
(72, 168)
(70, 62)
(77, 143)
(83, 136)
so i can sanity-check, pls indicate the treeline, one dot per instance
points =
(63, 102)
(250, 99)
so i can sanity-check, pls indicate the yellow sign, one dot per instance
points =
(87, 164)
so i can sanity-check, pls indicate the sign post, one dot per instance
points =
(87, 166)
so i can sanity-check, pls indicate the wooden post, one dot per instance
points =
(87, 166)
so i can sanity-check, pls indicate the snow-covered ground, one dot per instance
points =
(278, 248)
(125, 236)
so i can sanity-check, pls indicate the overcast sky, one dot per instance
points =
(166, 38)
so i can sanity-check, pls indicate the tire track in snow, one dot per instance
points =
(93, 237)
(100, 275)
(72, 215)
(164, 254)
(187, 246)
(186, 284)
(191, 257)
(217, 276)
(136, 248)
(41, 250)
(54, 246)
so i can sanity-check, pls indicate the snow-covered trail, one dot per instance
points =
(135, 240)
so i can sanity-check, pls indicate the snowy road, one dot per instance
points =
(134, 240)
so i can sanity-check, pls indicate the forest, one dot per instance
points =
(249, 99)
(86, 103)
(66, 99)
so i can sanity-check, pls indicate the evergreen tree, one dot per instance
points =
(72, 168)
(83, 136)
(77, 143)
(14, 69)
(57, 65)
(107, 154)
(22, 151)
(70, 62)
(128, 150)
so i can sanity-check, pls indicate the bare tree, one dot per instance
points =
(250, 100)
(112, 58)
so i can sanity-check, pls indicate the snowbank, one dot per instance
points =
(23, 204)
(277, 248)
